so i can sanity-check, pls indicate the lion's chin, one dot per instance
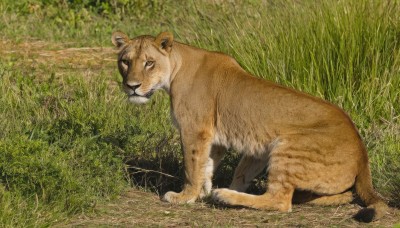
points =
(138, 99)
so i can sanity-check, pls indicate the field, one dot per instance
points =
(74, 152)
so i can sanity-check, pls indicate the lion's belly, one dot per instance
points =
(248, 143)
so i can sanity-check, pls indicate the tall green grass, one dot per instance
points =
(68, 142)
(63, 144)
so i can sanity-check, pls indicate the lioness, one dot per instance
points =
(307, 143)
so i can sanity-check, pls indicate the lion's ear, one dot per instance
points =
(119, 39)
(164, 41)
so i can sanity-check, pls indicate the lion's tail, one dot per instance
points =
(376, 207)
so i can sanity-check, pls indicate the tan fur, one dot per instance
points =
(306, 143)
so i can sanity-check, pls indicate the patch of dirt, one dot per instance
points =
(34, 54)
(137, 208)
(40, 52)
(45, 59)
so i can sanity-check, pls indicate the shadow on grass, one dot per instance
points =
(395, 197)
(156, 177)
(165, 172)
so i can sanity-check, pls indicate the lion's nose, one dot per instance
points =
(133, 87)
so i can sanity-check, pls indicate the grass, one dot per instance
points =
(69, 140)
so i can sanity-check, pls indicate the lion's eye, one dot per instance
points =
(149, 63)
(126, 62)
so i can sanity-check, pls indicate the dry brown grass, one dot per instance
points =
(59, 59)
(36, 53)
(138, 208)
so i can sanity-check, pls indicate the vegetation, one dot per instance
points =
(70, 141)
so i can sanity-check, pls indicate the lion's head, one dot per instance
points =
(144, 64)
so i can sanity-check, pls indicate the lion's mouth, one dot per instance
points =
(147, 95)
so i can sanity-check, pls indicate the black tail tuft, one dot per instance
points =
(365, 215)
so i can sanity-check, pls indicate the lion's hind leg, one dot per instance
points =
(247, 169)
(281, 199)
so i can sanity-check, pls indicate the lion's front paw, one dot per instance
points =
(206, 190)
(173, 197)
(204, 193)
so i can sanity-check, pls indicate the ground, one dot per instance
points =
(140, 209)
(137, 207)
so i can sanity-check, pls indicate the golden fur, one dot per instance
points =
(306, 143)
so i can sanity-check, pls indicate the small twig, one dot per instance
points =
(152, 171)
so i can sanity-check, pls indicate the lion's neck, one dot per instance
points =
(176, 64)
(185, 60)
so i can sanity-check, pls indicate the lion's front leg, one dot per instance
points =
(196, 149)
(216, 155)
